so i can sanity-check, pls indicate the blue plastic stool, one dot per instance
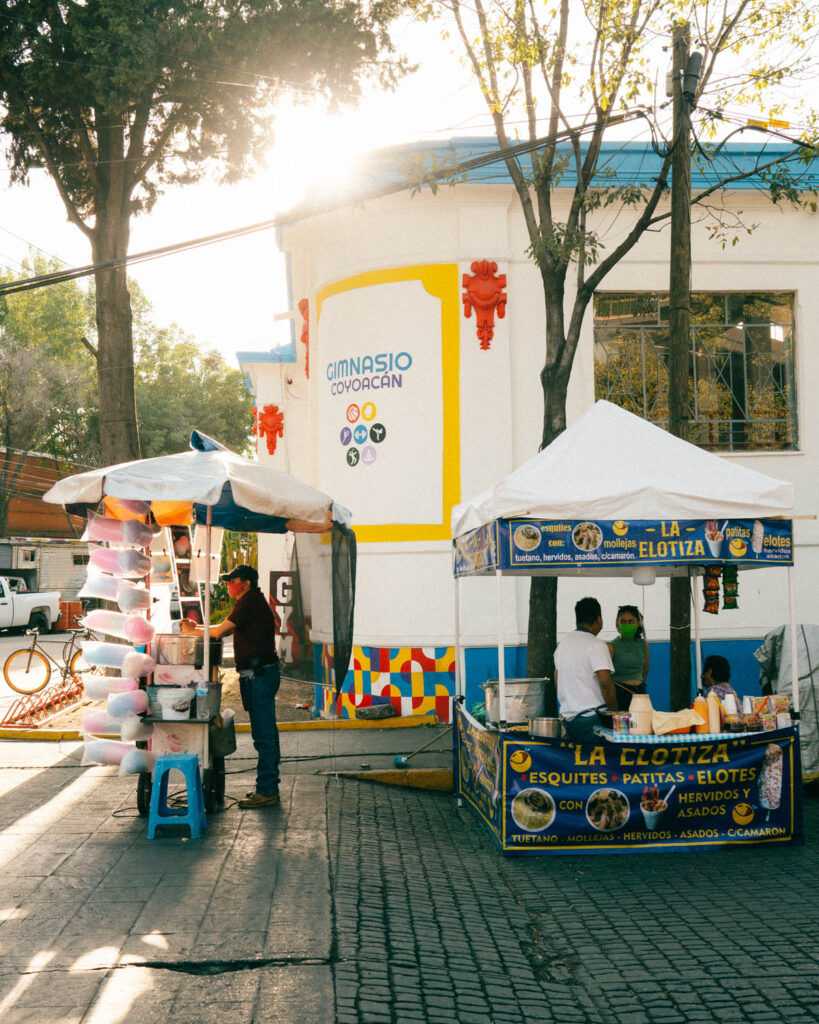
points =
(161, 814)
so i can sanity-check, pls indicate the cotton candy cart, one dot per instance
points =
(204, 733)
(216, 488)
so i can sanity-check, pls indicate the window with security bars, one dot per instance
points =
(741, 390)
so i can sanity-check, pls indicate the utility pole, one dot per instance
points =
(684, 75)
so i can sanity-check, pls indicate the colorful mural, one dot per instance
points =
(415, 680)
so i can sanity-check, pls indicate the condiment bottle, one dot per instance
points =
(714, 718)
(701, 708)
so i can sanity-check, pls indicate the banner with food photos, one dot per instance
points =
(528, 544)
(541, 796)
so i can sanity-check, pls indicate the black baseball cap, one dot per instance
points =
(242, 572)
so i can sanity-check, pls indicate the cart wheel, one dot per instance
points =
(209, 790)
(219, 779)
(144, 787)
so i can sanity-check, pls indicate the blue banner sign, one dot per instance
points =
(529, 544)
(552, 796)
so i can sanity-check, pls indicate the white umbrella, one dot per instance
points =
(226, 490)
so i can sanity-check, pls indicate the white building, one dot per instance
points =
(405, 412)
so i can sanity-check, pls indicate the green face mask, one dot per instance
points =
(627, 629)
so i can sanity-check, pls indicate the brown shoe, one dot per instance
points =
(259, 800)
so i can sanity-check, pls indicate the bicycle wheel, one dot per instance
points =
(78, 666)
(26, 671)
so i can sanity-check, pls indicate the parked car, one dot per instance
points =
(21, 607)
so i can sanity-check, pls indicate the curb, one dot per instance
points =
(438, 779)
(58, 735)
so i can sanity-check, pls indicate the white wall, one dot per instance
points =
(405, 586)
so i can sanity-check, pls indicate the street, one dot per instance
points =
(354, 902)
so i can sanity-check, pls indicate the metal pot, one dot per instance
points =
(176, 649)
(549, 728)
(525, 699)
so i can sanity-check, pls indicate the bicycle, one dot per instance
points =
(28, 670)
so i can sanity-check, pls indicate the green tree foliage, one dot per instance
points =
(180, 387)
(119, 99)
(577, 67)
(47, 396)
(48, 390)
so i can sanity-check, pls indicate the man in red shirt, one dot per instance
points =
(254, 646)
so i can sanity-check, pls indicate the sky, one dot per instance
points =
(228, 295)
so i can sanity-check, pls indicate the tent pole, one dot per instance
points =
(501, 654)
(692, 586)
(206, 624)
(459, 676)
(794, 647)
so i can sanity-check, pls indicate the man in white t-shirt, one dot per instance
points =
(583, 674)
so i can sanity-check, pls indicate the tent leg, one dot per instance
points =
(794, 645)
(692, 586)
(206, 630)
(459, 668)
(501, 654)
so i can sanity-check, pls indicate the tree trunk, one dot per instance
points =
(679, 317)
(119, 436)
(542, 632)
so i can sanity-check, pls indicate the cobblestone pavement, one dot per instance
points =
(356, 903)
(433, 925)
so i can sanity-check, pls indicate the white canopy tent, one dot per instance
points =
(612, 465)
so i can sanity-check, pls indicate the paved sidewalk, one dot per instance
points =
(355, 903)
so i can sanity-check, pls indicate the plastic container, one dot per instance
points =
(175, 702)
(701, 707)
(641, 712)
(714, 717)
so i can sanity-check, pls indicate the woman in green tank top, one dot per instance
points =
(629, 654)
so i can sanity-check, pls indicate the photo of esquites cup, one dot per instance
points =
(713, 537)
(652, 806)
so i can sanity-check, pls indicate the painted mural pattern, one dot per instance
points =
(415, 680)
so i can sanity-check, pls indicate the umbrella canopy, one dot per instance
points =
(611, 464)
(244, 495)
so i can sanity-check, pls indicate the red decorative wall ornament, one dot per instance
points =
(304, 309)
(484, 292)
(269, 423)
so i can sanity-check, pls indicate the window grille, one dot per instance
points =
(741, 388)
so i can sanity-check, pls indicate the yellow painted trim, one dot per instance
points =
(408, 722)
(440, 280)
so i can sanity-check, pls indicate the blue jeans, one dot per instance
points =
(581, 729)
(259, 700)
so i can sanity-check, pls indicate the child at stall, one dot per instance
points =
(629, 655)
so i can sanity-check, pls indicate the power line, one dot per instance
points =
(430, 177)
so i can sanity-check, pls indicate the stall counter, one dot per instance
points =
(550, 796)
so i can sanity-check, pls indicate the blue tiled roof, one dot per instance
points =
(634, 163)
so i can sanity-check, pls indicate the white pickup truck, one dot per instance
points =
(21, 608)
